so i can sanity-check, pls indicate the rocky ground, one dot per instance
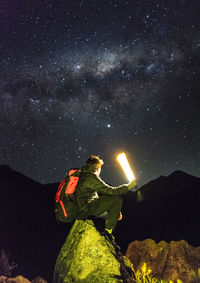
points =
(21, 279)
(87, 256)
(169, 261)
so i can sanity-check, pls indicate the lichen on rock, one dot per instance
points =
(87, 256)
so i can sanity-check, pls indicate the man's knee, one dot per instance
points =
(117, 200)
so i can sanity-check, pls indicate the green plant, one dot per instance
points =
(144, 276)
(196, 276)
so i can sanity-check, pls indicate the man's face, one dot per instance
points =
(98, 171)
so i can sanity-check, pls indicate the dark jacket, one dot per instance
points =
(90, 185)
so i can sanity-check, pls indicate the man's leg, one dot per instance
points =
(111, 204)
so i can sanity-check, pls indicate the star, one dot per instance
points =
(76, 76)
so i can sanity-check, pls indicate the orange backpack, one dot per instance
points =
(65, 205)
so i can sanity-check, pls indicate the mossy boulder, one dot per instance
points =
(86, 256)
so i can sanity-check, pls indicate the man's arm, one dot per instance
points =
(101, 187)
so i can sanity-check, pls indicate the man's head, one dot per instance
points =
(94, 164)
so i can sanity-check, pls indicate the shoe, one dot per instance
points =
(108, 236)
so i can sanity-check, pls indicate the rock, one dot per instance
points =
(86, 256)
(38, 279)
(21, 279)
(17, 279)
(169, 261)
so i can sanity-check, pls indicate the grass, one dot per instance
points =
(144, 276)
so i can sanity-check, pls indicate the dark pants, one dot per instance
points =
(110, 204)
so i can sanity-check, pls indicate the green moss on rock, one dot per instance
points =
(86, 257)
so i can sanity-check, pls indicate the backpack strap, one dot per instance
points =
(63, 208)
(57, 197)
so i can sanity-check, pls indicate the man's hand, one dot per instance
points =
(120, 217)
(132, 184)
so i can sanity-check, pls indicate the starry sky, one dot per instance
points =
(81, 77)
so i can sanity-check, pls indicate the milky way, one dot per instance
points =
(79, 78)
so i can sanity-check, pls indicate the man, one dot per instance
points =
(96, 198)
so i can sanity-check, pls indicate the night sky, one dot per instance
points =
(81, 77)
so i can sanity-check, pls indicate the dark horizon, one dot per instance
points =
(176, 173)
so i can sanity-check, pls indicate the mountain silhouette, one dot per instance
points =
(29, 232)
(169, 211)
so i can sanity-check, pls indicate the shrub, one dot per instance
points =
(6, 267)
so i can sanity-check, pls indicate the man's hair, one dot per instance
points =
(94, 162)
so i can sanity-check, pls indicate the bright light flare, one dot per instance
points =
(121, 158)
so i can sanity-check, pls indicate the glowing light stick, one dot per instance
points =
(121, 158)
